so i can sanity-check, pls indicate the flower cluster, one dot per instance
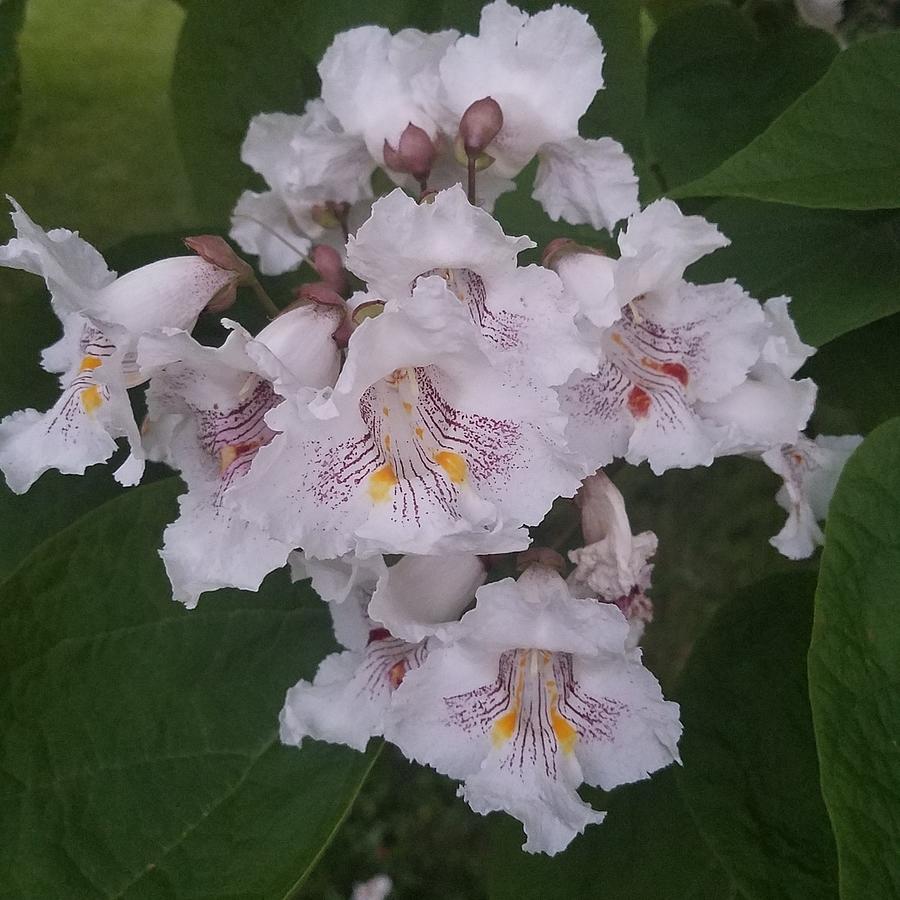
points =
(430, 397)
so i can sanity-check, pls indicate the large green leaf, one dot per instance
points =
(750, 773)
(140, 755)
(647, 847)
(854, 668)
(12, 12)
(841, 268)
(834, 147)
(714, 85)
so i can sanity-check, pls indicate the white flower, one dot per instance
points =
(102, 317)
(206, 418)
(614, 563)
(422, 447)
(533, 694)
(678, 359)
(377, 83)
(823, 14)
(352, 690)
(771, 406)
(810, 470)
(309, 163)
(376, 888)
(523, 313)
(543, 71)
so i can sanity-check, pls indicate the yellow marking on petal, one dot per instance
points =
(385, 411)
(387, 442)
(564, 731)
(504, 727)
(381, 481)
(90, 362)
(91, 399)
(453, 464)
(227, 455)
(407, 407)
(420, 432)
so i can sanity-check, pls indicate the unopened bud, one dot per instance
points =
(559, 248)
(218, 251)
(415, 153)
(479, 125)
(482, 161)
(329, 266)
(367, 310)
(540, 556)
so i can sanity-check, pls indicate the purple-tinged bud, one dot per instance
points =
(482, 161)
(479, 125)
(559, 248)
(540, 556)
(329, 266)
(415, 153)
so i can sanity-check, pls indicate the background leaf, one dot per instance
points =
(139, 755)
(12, 13)
(647, 846)
(714, 85)
(750, 773)
(835, 147)
(841, 268)
(854, 667)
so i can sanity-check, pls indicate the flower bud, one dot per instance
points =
(324, 294)
(415, 153)
(329, 266)
(218, 251)
(540, 556)
(479, 125)
(482, 161)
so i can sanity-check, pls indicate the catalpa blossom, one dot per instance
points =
(102, 317)
(531, 694)
(810, 469)
(614, 565)
(206, 411)
(319, 179)
(423, 446)
(671, 352)
(543, 71)
(522, 312)
(347, 701)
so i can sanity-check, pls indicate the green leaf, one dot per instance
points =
(853, 374)
(139, 753)
(714, 85)
(750, 773)
(854, 668)
(646, 847)
(12, 13)
(840, 267)
(835, 147)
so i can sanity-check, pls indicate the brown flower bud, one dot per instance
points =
(415, 153)
(218, 252)
(479, 125)
(561, 247)
(540, 556)
(329, 266)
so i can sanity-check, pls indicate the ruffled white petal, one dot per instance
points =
(543, 70)
(376, 83)
(421, 447)
(263, 225)
(522, 312)
(586, 182)
(783, 347)
(533, 694)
